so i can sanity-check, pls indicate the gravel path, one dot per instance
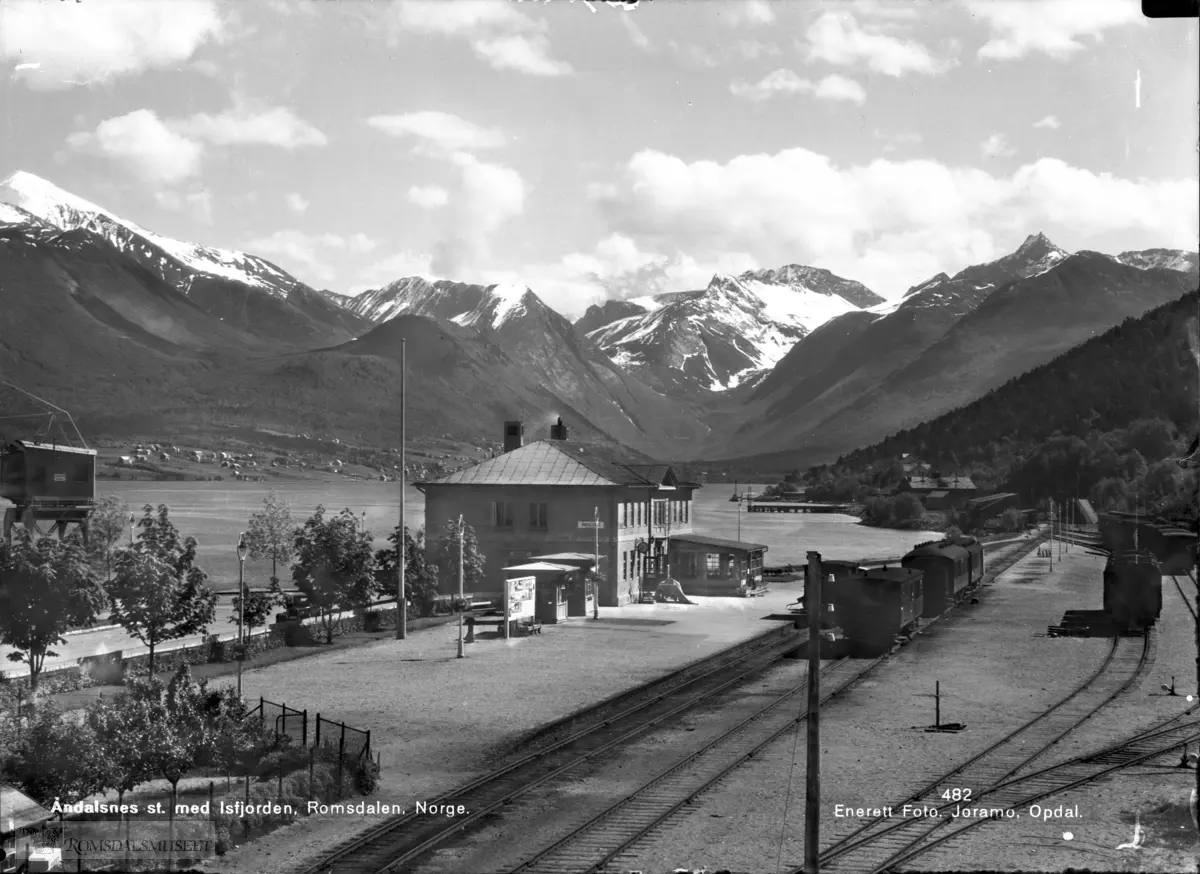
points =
(439, 721)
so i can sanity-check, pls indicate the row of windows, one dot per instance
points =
(672, 512)
(502, 515)
(632, 564)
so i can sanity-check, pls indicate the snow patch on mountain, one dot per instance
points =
(67, 211)
(1167, 259)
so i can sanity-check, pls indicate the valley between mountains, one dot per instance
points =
(137, 334)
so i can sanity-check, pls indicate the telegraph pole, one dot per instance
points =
(812, 810)
(1050, 552)
(401, 546)
(461, 599)
(596, 566)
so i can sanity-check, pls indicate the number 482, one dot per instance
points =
(957, 794)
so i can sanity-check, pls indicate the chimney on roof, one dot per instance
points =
(514, 436)
(558, 431)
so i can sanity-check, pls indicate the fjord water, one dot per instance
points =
(214, 513)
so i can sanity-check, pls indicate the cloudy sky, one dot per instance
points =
(591, 151)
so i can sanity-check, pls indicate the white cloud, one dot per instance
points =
(245, 124)
(440, 129)
(838, 38)
(995, 146)
(306, 253)
(393, 267)
(786, 82)
(636, 35)
(695, 55)
(428, 196)
(296, 202)
(749, 13)
(143, 145)
(499, 33)
(198, 203)
(1049, 121)
(889, 224)
(59, 45)
(1051, 27)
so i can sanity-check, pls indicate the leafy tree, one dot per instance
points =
(445, 557)
(158, 593)
(57, 757)
(1010, 519)
(106, 527)
(260, 607)
(271, 532)
(420, 580)
(907, 508)
(334, 565)
(46, 588)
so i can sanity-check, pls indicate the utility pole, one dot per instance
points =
(1050, 552)
(461, 599)
(401, 600)
(596, 565)
(812, 809)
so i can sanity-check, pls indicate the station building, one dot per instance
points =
(540, 499)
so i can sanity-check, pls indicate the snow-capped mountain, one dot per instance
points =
(1168, 259)
(482, 307)
(233, 286)
(732, 331)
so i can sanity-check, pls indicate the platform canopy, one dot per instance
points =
(564, 557)
(716, 543)
(544, 566)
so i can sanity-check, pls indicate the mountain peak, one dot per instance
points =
(1037, 242)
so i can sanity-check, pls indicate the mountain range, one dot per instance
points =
(152, 333)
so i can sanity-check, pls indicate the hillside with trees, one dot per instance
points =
(1106, 421)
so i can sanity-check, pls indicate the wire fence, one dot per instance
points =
(279, 721)
(351, 743)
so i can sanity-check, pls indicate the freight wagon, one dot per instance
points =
(1133, 590)
(877, 606)
(947, 574)
(974, 556)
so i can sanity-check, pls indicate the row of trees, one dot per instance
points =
(155, 590)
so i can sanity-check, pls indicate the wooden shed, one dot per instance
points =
(713, 566)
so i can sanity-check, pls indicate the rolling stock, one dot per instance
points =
(1133, 590)
(947, 570)
(875, 607)
(974, 555)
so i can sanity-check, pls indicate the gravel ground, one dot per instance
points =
(439, 721)
(997, 669)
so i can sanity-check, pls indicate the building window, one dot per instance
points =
(639, 514)
(624, 514)
(502, 514)
(624, 564)
(537, 517)
(687, 511)
(712, 563)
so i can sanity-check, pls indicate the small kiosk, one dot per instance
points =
(715, 566)
(552, 581)
(581, 595)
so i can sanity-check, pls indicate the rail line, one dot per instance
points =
(609, 834)
(1029, 789)
(403, 838)
(1187, 602)
(871, 845)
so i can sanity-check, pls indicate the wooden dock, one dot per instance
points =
(794, 507)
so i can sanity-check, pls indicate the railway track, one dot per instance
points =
(873, 845)
(1188, 602)
(1015, 797)
(612, 832)
(401, 839)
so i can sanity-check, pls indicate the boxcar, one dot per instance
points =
(1133, 590)
(974, 555)
(947, 573)
(840, 571)
(1178, 555)
(876, 606)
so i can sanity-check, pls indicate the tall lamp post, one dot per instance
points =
(401, 601)
(461, 599)
(132, 519)
(241, 554)
(596, 564)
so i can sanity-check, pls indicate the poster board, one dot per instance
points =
(520, 603)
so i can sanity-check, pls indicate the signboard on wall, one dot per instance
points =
(520, 598)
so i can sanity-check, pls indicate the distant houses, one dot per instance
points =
(937, 492)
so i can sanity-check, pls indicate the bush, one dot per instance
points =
(366, 776)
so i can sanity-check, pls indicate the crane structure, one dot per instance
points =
(48, 475)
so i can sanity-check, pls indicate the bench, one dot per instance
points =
(529, 626)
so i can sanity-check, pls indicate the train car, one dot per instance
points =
(1178, 555)
(877, 606)
(840, 571)
(947, 573)
(1133, 590)
(974, 555)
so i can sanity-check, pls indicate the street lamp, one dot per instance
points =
(401, 546)
(132, 519)
(461, 599)
(241, 554)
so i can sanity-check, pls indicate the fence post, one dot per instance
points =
(312, 754)
(304, 726)
(317, 742)
(211, 790)
(262, 711)
(367, 751)
(341, 755)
